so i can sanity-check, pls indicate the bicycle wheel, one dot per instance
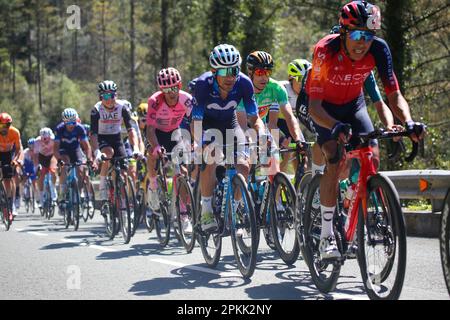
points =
(134, 207)
(124, 210)
(5, 207)
(149, 221)
(84, 202)
(75, 205)
(302, 191)
(244, 229)
(444, 241)
(381, 240)
(283, 200)
(32, 201)
(26, 197)
(323, 273)
(185, 209)
(91, 202)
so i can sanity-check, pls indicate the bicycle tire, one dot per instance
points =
(284, 219)
(134, 210)
(246, 259)
(84, 201)
(444, 240)
(33, 201)
(75, 205)
(301, 191)
(313, 221)
(376, 287)
(5, 208)
(188, 241)
(123, 213)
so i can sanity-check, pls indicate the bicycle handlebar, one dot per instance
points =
(385, 135)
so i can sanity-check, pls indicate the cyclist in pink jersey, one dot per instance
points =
(166, 111)
(340, 66)
(43, 156)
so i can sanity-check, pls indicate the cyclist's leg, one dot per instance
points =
(63, 176)
(287, 157)
(105, 146)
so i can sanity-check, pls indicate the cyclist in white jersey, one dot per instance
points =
(106, 125)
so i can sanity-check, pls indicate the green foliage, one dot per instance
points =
(72, 62)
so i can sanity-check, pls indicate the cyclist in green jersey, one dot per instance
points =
(271, 97)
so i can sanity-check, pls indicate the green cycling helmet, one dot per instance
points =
(297, 68)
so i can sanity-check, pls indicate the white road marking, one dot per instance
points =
(40, 234)
(92, 246)
(196, 268)
(20, 230)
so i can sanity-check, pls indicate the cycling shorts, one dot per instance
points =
(75, 156)
(5, 162)
(354, 113)
(48, 163)
(114, 142)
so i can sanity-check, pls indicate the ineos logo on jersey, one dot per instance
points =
(359, 77)
(215, 106)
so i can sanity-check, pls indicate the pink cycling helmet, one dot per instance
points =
(169, 77)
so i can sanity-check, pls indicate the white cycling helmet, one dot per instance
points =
(69, 115)
(46, 133)
(107, 85)
(225, 56)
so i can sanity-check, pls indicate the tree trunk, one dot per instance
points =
(132, 53)
(13, 61)
(38, 53)
(165, 38)
(104, 39)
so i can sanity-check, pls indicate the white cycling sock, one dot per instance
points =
(206, 204)
(316, 168)
(327, 221)
(102, 182)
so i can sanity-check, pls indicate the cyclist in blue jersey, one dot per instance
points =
(216, 95)
(28, 168)
(69, 136)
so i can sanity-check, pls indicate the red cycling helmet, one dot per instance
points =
(169, 77)
(360, 14)
(5, 118)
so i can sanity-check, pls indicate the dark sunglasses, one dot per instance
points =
(108, 96)
(357, 35)
(225, 72)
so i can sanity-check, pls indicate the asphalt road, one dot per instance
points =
(45, 261)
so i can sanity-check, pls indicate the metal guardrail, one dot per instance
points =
(422, 184)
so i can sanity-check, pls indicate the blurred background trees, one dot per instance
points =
(46, 67)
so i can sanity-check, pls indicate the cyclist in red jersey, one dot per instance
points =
(341, 64)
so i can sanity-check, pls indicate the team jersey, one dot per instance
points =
(104, 122)
(10, 142)
(292, 96)
(270, 99)
(165, 118)
(44, 148)
(209, 105)
(336, 79)
(70, 140)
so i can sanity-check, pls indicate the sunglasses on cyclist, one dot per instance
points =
(70, 123)
(108, 96)
(263, 72)
(226, 72)
(170, 89)
(357, 35)
(5, 125)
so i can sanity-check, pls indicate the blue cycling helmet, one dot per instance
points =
(31, 142)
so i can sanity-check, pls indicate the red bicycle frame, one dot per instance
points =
(364, 155)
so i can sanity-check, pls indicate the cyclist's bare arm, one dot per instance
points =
(242, 120)
(94, 141)
(319, 115)
(56, 150)
(385, 114)
(294, 128)
(151, 136)
(256, 123)
(399, 106)
(87, 149)
(273, 120)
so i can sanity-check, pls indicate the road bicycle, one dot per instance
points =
(372, 229)
(5, 203)
(116, 209)
(275, 199)
(87, 194)
(29, 194)
(47, 207)
(70, 205)
(235, 217)
(444, 240)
